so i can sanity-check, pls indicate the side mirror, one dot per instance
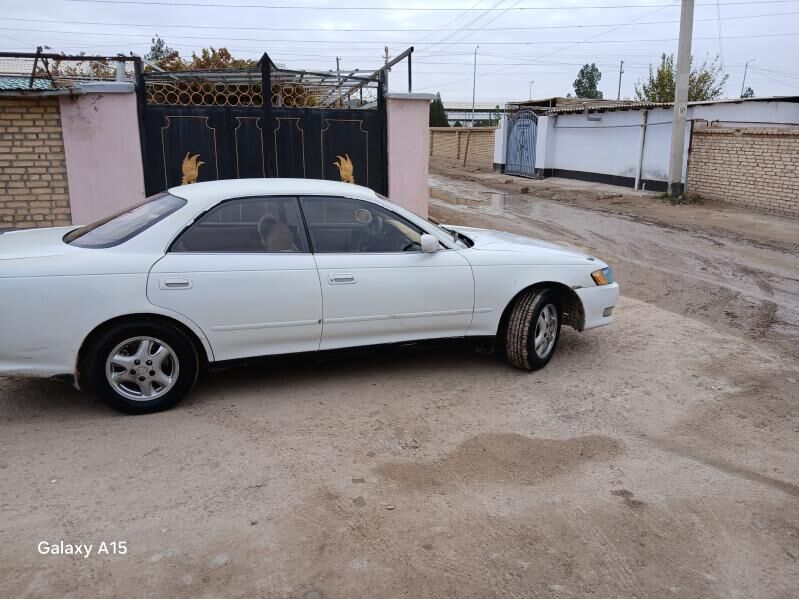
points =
(429, 243)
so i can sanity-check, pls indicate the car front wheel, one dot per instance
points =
(142, 367)
(533, 329)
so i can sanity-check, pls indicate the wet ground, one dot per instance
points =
(656, 457)
(747, 287)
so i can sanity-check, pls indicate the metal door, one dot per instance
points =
(520, 147)
(204, 126)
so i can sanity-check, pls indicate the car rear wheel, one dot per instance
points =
(533, 329)
(141, 367)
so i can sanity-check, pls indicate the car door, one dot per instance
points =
(244, 273)
(377, 284)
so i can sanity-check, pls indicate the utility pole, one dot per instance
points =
(681, 98)
(621, 72)
(531, 88)
(474, 88)
(385, 63)
(743, 83)
(474, 81)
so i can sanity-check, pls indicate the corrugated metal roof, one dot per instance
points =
(20, 83)
(610, 106)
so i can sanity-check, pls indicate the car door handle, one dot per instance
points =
(174, 283)
(341, 278)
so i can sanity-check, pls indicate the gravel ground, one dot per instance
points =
(656, 457)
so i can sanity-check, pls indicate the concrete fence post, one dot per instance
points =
(409, 150)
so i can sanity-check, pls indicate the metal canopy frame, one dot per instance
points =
(40, 69)
(352, 89)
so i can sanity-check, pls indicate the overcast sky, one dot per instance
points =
(520, 40)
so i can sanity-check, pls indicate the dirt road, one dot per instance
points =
(656, 457)
(747, 286)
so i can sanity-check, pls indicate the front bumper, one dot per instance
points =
(596, 300)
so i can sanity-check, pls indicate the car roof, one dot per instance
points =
(209, 191)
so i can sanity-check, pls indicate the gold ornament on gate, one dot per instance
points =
(191, 168)
(345, 168)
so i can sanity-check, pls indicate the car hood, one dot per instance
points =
(34, 243)
(486, 239)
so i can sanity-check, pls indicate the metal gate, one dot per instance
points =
(203, 126)
(520, 147)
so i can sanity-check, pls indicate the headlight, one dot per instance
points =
(604, 276)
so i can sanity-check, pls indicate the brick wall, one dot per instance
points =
(450, 142)
(33, 173)
(755, 168)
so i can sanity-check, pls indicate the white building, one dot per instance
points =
(461, 112)
(620, 143)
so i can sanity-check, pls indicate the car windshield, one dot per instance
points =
(123, 226)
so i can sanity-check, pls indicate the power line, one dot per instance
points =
(472, 22)
(469, 32)
(503, 43)
(587, 40)
(448, 23)
(721, 44)
(406, 8)
(762, 74)
(390, 30)
(791, 74)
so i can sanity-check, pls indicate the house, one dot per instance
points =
(742, 151)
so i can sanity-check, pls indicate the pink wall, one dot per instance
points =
(408, 149)
(103, 151)
(101, 141)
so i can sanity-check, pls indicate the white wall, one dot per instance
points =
(499, 141)
(657, 144)
(544, 142)
(752, 114)
(608, 143)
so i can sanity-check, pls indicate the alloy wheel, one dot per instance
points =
(142, 368)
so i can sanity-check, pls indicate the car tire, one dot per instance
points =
(142, 366)
(535, 315)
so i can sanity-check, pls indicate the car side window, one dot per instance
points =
(344, 225)
(247, 225)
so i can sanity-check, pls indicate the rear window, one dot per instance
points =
(125, 225)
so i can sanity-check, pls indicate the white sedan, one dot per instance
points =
(135, 305)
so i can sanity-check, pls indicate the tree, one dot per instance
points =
(748, 93)
(95, 69)
(163, 56)
(458, 124)
(158, 50)
(211, 59)
(585, 86)
(494, 116)
(438, 116)
(168, 59)
(705, 82)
